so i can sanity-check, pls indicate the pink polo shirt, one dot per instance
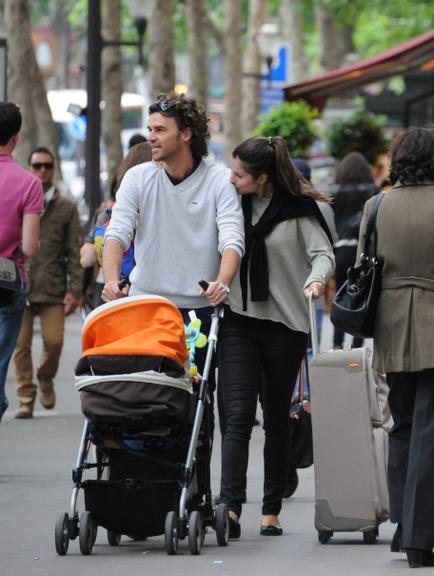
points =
(20, 193)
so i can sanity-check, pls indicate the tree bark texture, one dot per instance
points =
(232, 76)
(198, 50)
(251, 81)
(290, 13)
(335, 41)
(112, 86)
(26, 87)
(161, 56)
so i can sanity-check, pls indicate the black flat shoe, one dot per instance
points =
(234, 529)
(419, 558)
(396, 544)
(270, 530)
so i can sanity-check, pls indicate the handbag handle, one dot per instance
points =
(371, 229)
(299, 387)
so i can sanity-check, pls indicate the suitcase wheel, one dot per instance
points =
(370, 537)
(324, 536)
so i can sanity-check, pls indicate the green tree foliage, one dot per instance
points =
(361, 132)
(294, 121)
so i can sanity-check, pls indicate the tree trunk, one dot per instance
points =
(232, 76)
(251, 82)
(112, 86)
(335, 41)
(290, 13)
(64, 57)
(197, 47)
(26, 86)
(17, 18)
(161, 56)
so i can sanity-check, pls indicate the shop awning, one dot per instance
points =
(417, 53)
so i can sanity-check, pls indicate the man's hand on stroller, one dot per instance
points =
(114, 289)
(216, 292)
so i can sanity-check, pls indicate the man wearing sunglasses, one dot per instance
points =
(54, 289)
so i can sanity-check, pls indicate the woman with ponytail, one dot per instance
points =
(264, 331)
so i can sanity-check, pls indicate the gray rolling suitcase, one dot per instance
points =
(350, 442)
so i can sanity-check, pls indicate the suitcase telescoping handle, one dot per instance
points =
(312, 323)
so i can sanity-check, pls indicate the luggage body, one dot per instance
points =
(350, 443)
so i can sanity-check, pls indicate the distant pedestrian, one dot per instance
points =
(136, 139)
(91, 251)
(21, 205)
(354, 185)
(54, 290)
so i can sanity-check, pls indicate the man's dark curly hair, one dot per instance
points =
(187, 114)
(412, 156)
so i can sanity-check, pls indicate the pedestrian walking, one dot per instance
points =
(54, 289)
(91, 251)
(354, 185)
(263, 335)
(22, 203)
(403, 338)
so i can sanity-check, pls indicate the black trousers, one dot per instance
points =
(256, 353)
(345, 256)
(411, 456)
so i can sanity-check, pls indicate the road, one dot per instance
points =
(35, 485)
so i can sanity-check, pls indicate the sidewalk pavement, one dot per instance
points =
(35, 484)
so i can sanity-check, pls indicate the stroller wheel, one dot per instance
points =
(222, 524)
(86, 533)
(112, 538)
(61, 534)
(171, 533)
(196, 533)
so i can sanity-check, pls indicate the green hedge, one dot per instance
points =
(294, 121)
(361, 132)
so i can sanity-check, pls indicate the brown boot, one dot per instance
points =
(25, 410)
(47, 396)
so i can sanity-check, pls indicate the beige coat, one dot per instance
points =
(404, 328)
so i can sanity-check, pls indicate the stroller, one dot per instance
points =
(146, 436)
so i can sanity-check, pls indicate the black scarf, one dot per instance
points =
(282, 207)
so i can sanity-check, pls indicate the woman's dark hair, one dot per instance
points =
(412, 156)
(10, 121)
(269, 155)
(137, 154)
(354, 169)
(188, 114)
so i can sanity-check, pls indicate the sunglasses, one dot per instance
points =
(40, 165)
(164, 105)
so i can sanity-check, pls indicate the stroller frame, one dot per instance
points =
(178, 525)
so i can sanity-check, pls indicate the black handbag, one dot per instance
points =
(354, 307)
(300, 423)
(10, 280)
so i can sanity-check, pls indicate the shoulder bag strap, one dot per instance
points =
(370, 228)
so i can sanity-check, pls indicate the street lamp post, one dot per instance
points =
(267, 39)
(140, 11)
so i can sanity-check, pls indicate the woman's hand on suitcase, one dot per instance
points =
(112, 291)
(317, 289)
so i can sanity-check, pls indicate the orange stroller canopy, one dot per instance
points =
(136, 325)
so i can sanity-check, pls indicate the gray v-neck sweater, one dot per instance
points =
(181, 230)
(298, 253)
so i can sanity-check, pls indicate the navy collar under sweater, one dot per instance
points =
(282, 207)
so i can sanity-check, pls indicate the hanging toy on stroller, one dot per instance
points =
(144, 424)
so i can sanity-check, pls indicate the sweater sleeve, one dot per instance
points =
(230, 221)
(124, 213)
(319, 251)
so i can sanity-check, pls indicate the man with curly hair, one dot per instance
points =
(184, 212)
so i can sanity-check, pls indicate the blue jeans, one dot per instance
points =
(10, 324)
